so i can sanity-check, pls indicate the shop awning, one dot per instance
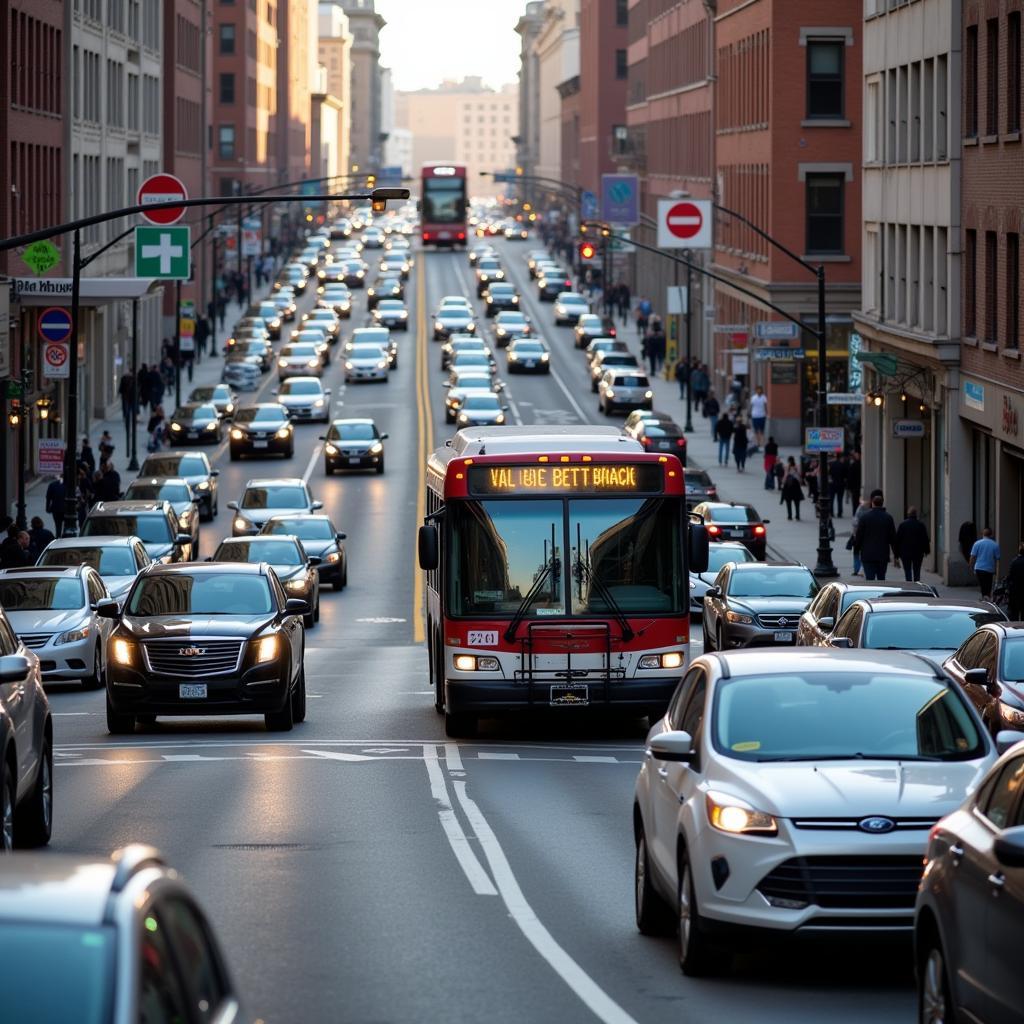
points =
(93, 291)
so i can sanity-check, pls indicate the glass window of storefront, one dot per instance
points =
(837, 369)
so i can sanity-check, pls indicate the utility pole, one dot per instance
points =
(133, 463)
(688, 428)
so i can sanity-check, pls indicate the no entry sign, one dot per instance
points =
(684, 223)
(162, 188)
(55, 324)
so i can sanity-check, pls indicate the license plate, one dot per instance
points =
(570, 695)
(444, 234)
(735, 533)
(354, 461)
(193, 434)
(529, 364)
(260, 444)
(192, 691)
(783, 636)
(664, 445)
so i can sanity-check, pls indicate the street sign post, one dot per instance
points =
(162, 188)
(54, 324)
(776, 330)
(620, 199)
(684, 223)
(588, 206)
(824, 439)
(163, 253)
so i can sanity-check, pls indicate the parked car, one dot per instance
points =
(730, 520)
(835, 597)
(989, 665)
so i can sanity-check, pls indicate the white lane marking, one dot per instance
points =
(493, 755)
(73, 714)
(452, 756)
(457, 840)
(585, 988)
(335, 755)
(587, 759)
(381, 619)
(317, 449)
(191, 757)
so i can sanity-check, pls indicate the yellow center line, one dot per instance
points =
(424, 447)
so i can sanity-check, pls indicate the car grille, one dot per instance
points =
(853, 824)
(34, 640)
(787, 621)
(850, 883)
(218, 657)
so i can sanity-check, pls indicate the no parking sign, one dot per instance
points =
(55, 359)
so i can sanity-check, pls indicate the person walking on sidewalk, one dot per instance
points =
(723, 435)
(624, 299)
(740, 440)
(641, 315)
(1015, 585)
(758, 414)
(771, 457)
(875, 538)
(837, 484)
(126, 392)
(853, 480)
(912, 544)
(985, 562)
(39, 536)
(700, 384)
(55, 503)
(682, 375)
(860, 510)
(792, 493)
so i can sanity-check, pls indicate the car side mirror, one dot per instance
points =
(107, 608)
(183, 538)
(826, 622)
(713, 592)
(699, 547)
(214, 472)
(842, 642)
(976, 677)
(316, 505)
(672, 746)
(327, 391)
(1009, 847)
(274, 391)
(296, 606)
(766, 522)
(383, 437)
(1007, 738)
(341, 536)
(14, 668)
(321, 437)
(427, 547)
(233, 505)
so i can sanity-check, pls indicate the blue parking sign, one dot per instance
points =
(620, 199)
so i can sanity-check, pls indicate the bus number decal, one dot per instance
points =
(482, 638)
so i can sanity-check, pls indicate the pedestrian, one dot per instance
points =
(660, 345)
(624, 302)
(758, 415)
(723, 435)
(202, 333)
(811, 470)
(837, 484)
(853, 469)
(740, 440)
(912, 544)
(1015, 585)
(142, 385)
(106, 446)
(14, 551)
(39, 537)
(700, 384)
(126, 392)
(108, 483)
(188, 359)
(654, 345)
(222, 308)
(771, 458)
(55, 503)
(682, 375)
(86, 456)
(711, 410)
(984, 562)
(874, 538)
(780, 474)
(862, 507)
(155, 429)
(791, 491)
(641, 321)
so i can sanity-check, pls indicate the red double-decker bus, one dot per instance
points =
(556, 570)
(443, 205)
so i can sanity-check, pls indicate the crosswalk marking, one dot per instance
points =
(491, 755)
(589, 759)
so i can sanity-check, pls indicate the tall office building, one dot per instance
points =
(365, 25)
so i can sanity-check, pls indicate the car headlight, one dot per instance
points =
(319, 403)
(203, 485)
(730, 814)
(333, 556)
(282, 362)
(376, 448)
(402, 314)
(123, 651)
(349, 366)
(463, 418)
(438, 325)
(283, 432)
(72, 635)
(610, 393)
(359, 274)
(648, 394)
(275, 324)
(295, 585)
(266, 649)
(544, 357)
(236, 435)
(471, 328)
(1011, 716)
(739, 617)
(211, 426)
(382, 365)
(512, 357)
(313, 363)
(670, 659)
(501, 332)
(242, 524)
(501, 418)
(175, 426)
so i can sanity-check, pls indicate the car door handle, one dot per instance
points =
(956, 851)
(663, 773)
(997, 880)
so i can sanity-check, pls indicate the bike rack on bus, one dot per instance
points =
(570, 637)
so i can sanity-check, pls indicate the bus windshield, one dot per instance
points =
(627, 548)
(444, 200)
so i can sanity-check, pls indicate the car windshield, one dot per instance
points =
(767, 581)
(107, 561)
(195, 412)
(140, 490)
(529, 348)
(277, 552)
(29, 952)
(924, 629)
(626, 547)
(204, 394)
(303, 527)
(303, 350)
(488, 263)
(275, 496)
(480, 403)
(699, 478)
(36, 595)
(390, 304)
(662, 429)
(472, 359)
(502, 289)
(734, 514)
(351, 432)
(151, 529)
(511, 319)
(260, 414)
(366, 352)
(456, 313)
(301, 387)
(589, 320)
(840, 716)
(719, 554)
(201, 594)
(863, 593)
(366, 335)
(616, 358)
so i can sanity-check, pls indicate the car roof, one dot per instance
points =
(44, 570)
(712, 505)
(158, 480)
(295, 515)
(178, 453)
(823, 659)
(757, 566)
(259, 405)
(57, 888)
(924, 603)
(206, 568)
(353, 420)
(268, 481)
(108, 540)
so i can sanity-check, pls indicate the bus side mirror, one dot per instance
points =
(699, 548)
(427, 547)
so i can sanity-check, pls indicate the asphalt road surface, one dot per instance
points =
(366, 870)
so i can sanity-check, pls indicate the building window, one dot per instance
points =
(1013, 291)
(971, 83)
(621, 12)
(226, 36)
(621, 64)
(971, 283)
(825, 78)
(1013, 76)
(226, 141)
(991, 289)
(825, 213)
(227, 87)
(992, 77)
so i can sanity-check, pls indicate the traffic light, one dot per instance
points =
(587, 250)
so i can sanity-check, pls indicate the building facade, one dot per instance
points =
(558, 59)
(528, 139)
(398, 151)
(917, 445)
(334, 51)
(365, 25)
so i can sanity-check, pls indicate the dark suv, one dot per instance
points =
(210, 639)
(154, 522)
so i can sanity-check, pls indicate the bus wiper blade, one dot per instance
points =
(528, 599)
(606, 594)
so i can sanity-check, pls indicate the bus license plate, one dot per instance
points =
(570, 695)
(192, 691)
(783, 636)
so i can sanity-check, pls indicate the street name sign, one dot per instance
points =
(762, 355)
(162, 253)
(844, 398)
(162, 188)
(776, 330)
(684, 223)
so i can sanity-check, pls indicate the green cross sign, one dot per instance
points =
(41, 256)
(162, 252)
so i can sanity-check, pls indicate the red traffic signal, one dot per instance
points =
(587, 250)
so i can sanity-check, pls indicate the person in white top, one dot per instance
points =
(759, 414)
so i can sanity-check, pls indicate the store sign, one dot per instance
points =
(766, 354)
(844, 398)
(854, 372)
(908, 429)
(974, 395)
(50, 456)
(824, 439)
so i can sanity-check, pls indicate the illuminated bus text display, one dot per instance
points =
(574, 478)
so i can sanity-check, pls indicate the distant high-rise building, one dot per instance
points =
(365, 25)
(335, 55)
(528, 138)
(603, 72)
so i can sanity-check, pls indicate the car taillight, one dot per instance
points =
(462, 235)
(645, 441)
(712, 529)
(712, 492)
(427, 236)
(680, 442)
(758, 530)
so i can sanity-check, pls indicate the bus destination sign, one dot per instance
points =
(567, 478)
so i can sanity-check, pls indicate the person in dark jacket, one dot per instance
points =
(853, 480)
(875, 538)
(55, 503)
(771, 457)
(740, 442)
(39, 536)
(792, 492)
(709, 404)
(912, 544)
(723, 435)
(837, 483)
(1015, 585)
(14, 551)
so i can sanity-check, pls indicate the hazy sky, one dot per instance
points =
(428, 40)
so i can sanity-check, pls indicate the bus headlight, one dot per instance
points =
(670, 659)
(475, 663)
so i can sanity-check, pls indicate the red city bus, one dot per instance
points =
(443, 205)
(556, 563)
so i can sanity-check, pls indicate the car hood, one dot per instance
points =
(772, 605)
(118, 586)
(289, 400)
(350, 446)
(478, 418)
(288, 572)
(319, 548)
(46, 621)
(261, 515)
(855, 789)
(261, 428)
(454, 318)
(367, 360)
(159, 627)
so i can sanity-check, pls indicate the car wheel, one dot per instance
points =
(283, 720)
(316, 609)
(653, 915)
(309, 620)
(33, 820)
(299, 697)
(593, 387)
(459, 725)
(709, 644)
(235, 456)
(95, 680)
(697, 956)
(380, 466)
(118, 723)
(6, 809)
(216, 510)
(934, 1000)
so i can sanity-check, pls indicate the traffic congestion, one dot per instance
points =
(421, 639)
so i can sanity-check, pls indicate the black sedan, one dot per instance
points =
(989, 665)
(295, 568)
(353, 444)
(756, 604)
(385, 287)
(263, 429)
(391, 313)
(591, 326)
(528, 355)
(196, 423)
(320, 539)
(735, 521)
(699, 487)
(657, 432)
(834, 598)
(195, 468)
(509, 325)
(211, 639)
(499, 296)
(451, 320)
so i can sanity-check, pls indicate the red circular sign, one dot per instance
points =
(56, 355)
(684, 220)
(162, 188)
